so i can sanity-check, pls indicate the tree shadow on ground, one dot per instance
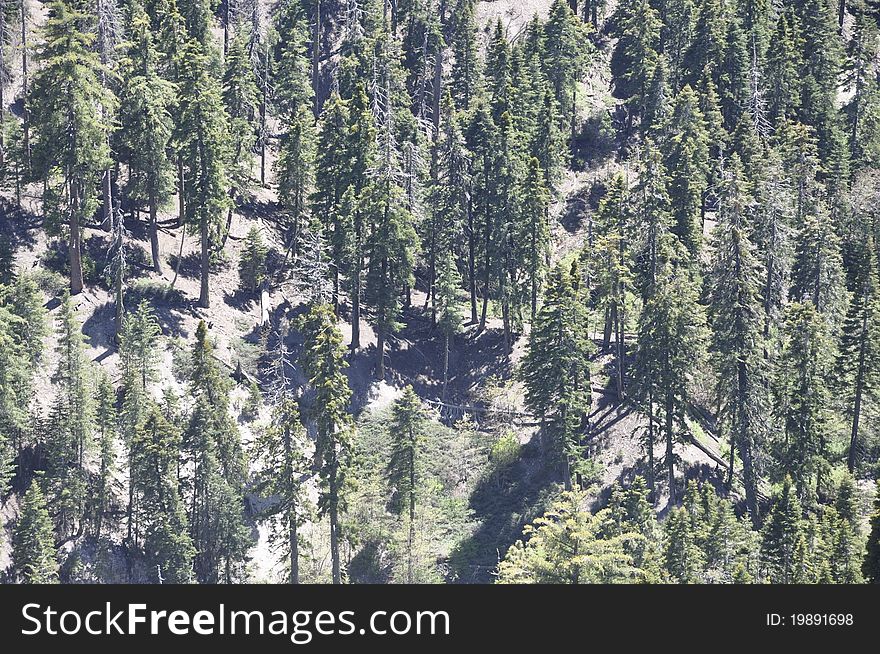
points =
(504, 503)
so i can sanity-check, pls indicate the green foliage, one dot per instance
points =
(566, 546)
(556, 368)
(324, 365)
(33, 547)
(252, 262)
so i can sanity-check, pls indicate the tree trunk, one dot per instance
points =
(74, 244)
(380, 353)
(154, 233)
(445, 364)
(621, 354)
(412, 509)
(204, 299)
(293, 539)
(316, 58)
(107, 184)
(334, 526)
(650, 480)
(472, 271)
(26, 132)
(857, 408)
(670, 446)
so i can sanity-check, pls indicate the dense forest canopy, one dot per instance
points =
(438, 291)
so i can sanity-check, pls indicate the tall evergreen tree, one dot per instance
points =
(70, 149)
(201, 132)
(404, 466)
(736, 318)
(556, 370)
(324, 365)
(33, 546)
(145, 124)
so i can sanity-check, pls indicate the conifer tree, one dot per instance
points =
(613, 269)
(636, 54)
(284, 465)
(324, 366)
(33, 546)
(784, 539)
(145, 100)
(858, 350)
(201, 133)
(683, 559)
(736, 318)
(566, 53)
(252, 264)
(161, 516)
(449, 317)
(817, 274)
(104, 485)
(212, 445)
(71, 423)
(240, 99)
(670, 343)
(782, 70)
(565, 546)
(535, 213)
(465, 73)
(404, 467)
(803, 400)
(687, 161)
(70, 151)
(556, 370)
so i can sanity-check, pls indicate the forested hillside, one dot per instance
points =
(439, 291)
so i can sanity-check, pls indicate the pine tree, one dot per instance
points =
(683, 559)
(145, 100)
(536, 203)
(687, 162)
(736, 318)
(636, 55)
(566, 53)
(465, 73)
(201, 134)
(324, 366)
(392, 243)
(782, 70)
(613, 269)
(449, 316)
(103, 484)
(784, 539)
(565, 546)
(404, 466)
(280, 449)
(670, 343)
(212, 447)
(817, 275)
(556, 370)
(241, 101)
(161, 516)
(137, 354)
(33, 546)
(857, 358)
(70, 151)
(803, 400)
(860, 77)
(447, 196)
(252, 263)
(29, 326)
(71, 427)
